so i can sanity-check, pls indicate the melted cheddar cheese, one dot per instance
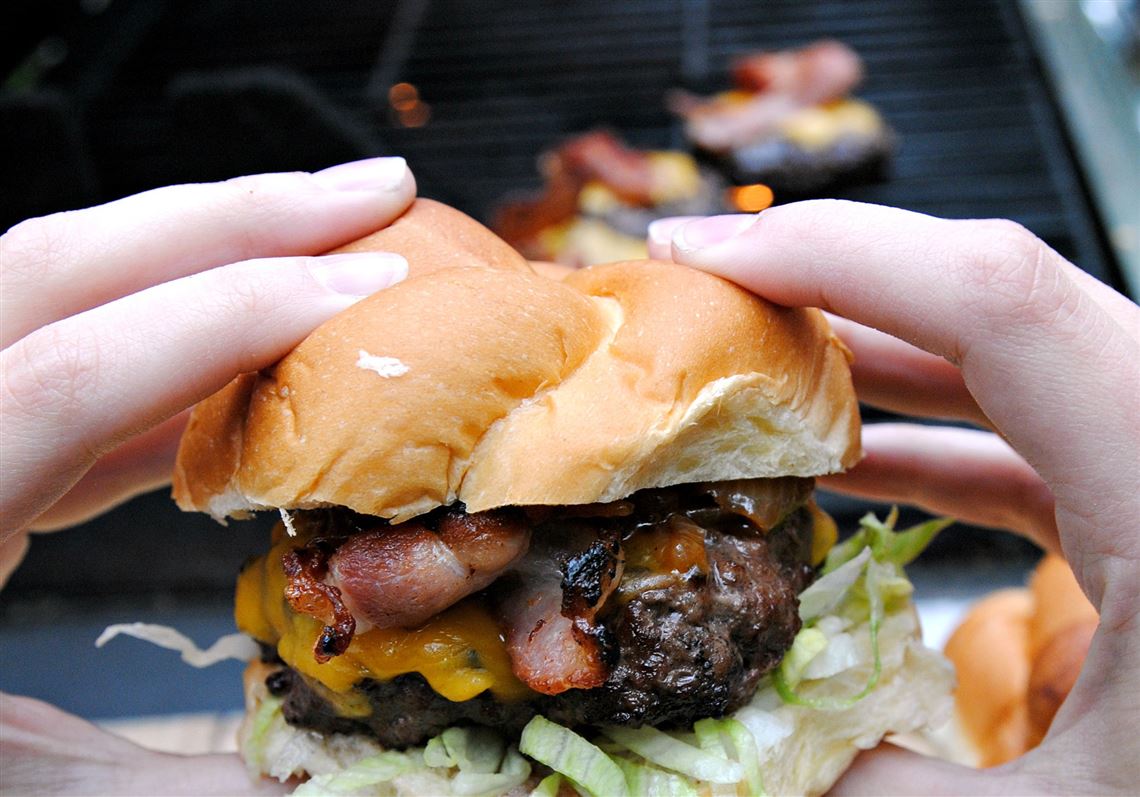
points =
(460, 651)
(824, 533)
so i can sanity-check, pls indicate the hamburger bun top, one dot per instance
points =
(478, 379)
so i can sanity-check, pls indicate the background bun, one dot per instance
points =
(1018, 654)
(480, 380)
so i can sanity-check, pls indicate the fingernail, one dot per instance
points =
(360, 273)
(712, 230)
(661, 231)
(371, 174)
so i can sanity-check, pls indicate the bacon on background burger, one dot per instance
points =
(790, 121)
(543, 533)
(600, 196)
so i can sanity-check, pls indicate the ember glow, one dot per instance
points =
(751, 198)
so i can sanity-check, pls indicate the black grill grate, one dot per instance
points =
(159, 92)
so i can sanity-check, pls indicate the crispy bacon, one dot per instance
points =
(400, 576)
(307, 594)
(553, 639)
(588, 578)
(823, 71)
(597, 156)
(771, 86)
(601, 156)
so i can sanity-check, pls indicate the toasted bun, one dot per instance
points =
(1018, 654)
(479, 380)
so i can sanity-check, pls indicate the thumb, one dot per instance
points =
(888, 769)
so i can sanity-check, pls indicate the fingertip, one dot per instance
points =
(700, 235)
(660, 235)
(358, 274)
(388, 174)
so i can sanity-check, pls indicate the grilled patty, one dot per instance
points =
(680, 644)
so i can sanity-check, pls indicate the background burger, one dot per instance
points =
(558, 534)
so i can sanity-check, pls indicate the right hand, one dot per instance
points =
(1002, 332)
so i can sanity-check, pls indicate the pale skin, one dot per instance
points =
(118, 318)
(113, 322)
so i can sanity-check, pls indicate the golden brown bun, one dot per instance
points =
(477, 379)
(1018, 654)
(989, 653)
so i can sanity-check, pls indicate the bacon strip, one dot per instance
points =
(307, 594)
(552, 638)
(597, 156)
(820, 72)
(771, 86)
(401, 576)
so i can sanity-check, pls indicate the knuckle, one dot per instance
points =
(1010, 273)
(31, 247)
(251, 289)
(261, 202)
(53, 371)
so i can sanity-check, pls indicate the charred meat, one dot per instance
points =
(660, 609)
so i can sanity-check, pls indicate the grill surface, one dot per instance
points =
(158, 92)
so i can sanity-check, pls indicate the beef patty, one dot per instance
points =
(681, 645)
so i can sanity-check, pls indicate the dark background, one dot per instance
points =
(103, 99)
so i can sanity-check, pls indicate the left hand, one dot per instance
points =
(118, 318)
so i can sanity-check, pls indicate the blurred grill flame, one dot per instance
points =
(408, 110)
(750, 198)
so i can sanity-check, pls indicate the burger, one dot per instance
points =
(1018, 652)
(790, 122)
(556, 535)
(599, 198)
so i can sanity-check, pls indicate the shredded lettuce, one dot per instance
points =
(486, 765)
(665, 751)
(808, 644)
(471, 749)
(831, 588)
(548, 786)
(876, 553)
(730, 738)
(785, 680)
(371, 771)
(899, 548)
(231, 646)
(582, 763)
(259, 725)
(513, 771)
(646, 779)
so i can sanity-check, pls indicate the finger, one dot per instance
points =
(12, 552)
(891, 770)
(74, 390)
(888, 373)
(965, 473)
(894, 375)
(1053, 366)
(659, 238)
(139, 465)
(47, 751)
(62, 264)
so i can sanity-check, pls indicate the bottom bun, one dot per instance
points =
(793, 744)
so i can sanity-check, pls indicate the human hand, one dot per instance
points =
(978, 321)
(116, 319)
